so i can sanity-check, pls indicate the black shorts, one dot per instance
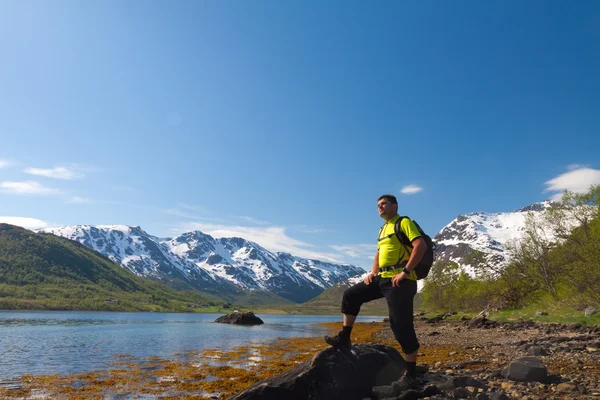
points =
(400, 306)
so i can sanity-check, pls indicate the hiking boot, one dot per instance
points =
(339, 341)
(403, 384)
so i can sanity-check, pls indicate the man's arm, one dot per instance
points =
(374, 270)
(419, 248)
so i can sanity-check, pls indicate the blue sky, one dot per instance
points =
(283, 122)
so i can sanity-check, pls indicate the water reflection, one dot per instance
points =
(43, 343)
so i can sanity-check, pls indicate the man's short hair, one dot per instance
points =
(388, 197)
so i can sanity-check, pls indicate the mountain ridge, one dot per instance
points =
(488, 233)
(45, 271)
(226, 265)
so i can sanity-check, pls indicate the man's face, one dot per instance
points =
(386, 209)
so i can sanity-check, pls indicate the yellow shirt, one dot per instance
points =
(391, 250)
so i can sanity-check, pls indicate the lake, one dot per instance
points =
(61, 342)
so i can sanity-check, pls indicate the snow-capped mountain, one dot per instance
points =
(139, 252)
(228, 264)
(490, 234)
(252, 267)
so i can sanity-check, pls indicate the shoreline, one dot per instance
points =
(204, 375)
(450, 347)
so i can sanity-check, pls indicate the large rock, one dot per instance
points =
(527, 369)
(332, 374)
(480, 319)
(240, 319)
(590, 311)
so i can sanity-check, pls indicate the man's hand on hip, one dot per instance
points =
(368, 279)
(398, 278)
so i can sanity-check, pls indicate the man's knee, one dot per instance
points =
(348, 294)
(351, 302)
(407, 338)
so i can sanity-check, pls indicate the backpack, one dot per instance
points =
(423, 267)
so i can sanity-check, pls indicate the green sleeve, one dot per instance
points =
(409, 229)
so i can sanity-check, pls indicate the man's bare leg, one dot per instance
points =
(349, 321)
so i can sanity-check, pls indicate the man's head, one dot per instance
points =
(387, 205)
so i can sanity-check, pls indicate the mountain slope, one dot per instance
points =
(490, 234)
(228, 266)
(39, 270)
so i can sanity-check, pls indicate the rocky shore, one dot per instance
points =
(483, 350)
(475, 359)
(471, 359)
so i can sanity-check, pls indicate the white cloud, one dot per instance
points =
(411, 189)
(124, 189)
(27, 187)
(576, 180)
(189, 207)
(572, 167)
(79, 200)
(55, 173)
(189, 211)
(357, 250)
(308, 229)
(27, 223)
(4, 164)
(251, 220)
(179, 213)
(272, 238)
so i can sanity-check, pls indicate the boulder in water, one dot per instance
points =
(239, 318)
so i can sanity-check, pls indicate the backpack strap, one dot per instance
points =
(402, 238)
(401, 235)
(379, 238)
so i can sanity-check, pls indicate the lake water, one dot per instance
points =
(60, 342)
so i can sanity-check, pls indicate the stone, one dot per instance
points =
(567, 387)
(461, 393)
(239, 318)
(431, 390)
(411, 394)
(593, 347)
(527, 369)
(479, 320)
(498, 396)
(537, 351)
(334, 374)
(588, 312)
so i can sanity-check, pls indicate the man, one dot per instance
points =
(394, 278)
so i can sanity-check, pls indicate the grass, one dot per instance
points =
(556, 314)
(562, 316)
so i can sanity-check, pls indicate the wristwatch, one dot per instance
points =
(407, 272)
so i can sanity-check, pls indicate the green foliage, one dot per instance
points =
(543, 270)
(43, 271)
(450, 289)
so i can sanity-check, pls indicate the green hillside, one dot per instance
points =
(44, 271)
(544, 274)
(330, 300)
